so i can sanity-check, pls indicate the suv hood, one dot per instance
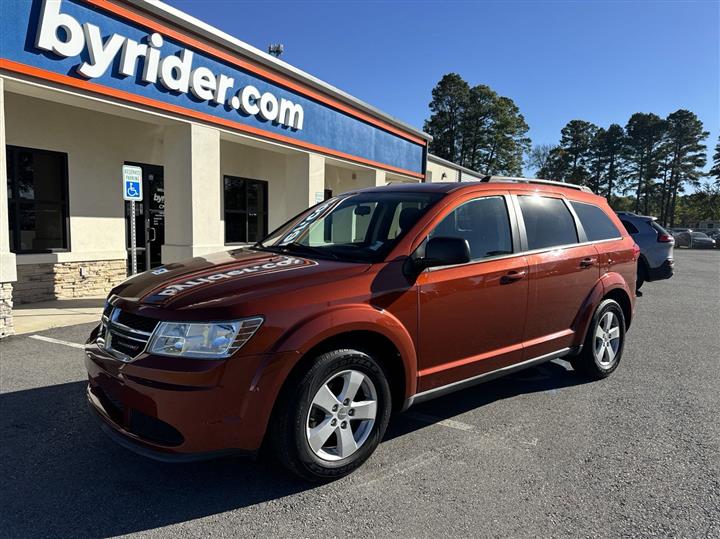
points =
(226, 278)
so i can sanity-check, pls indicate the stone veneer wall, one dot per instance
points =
(63, 280)
(6, 305)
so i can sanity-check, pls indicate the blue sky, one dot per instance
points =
(595, 60)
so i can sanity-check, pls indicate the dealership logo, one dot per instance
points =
(174, 72)
(285, 262)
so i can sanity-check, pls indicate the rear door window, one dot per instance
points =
(548, 222)
(595, 222)
(484, 223)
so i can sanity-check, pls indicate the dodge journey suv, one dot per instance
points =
(365, 304)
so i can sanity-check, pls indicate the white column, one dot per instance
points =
(193, 192)
(8, 272)
(305, 176)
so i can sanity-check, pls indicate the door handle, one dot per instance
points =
(588, 262)
(512, 276)
(154, 234)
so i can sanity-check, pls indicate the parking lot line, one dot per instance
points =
(57, 341)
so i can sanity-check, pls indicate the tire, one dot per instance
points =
(642, 274)
(315, 433)
(603, 348)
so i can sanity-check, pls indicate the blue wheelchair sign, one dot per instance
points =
(132, 183)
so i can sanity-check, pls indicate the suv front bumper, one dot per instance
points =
(181, 410)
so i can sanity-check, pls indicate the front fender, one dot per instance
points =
(347, 318)
(277, 365)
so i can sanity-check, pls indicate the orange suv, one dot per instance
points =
(369, 302)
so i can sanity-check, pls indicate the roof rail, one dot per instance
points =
(535, 180)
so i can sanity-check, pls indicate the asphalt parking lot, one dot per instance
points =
(541, 453)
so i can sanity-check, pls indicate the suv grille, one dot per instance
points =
(123, 334)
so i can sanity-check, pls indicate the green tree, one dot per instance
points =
(606, 163)
(449, 100)
(538, 157)
(556, 165)
(576, 138)
(703, 204)
(476, 124)
(507, 140)
(685, 157)
(644, 134)
(715, 170)
(476, 128)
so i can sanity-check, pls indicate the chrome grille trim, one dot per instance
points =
(111, 329)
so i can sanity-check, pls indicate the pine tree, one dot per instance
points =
(686, 157)
(507, 139)
(576, 138)
(606, 162)
(715, 170)
(644, 134)
(476, 128)
(449, 100)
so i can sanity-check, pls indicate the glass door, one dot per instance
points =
(246, 209)
(149, 219)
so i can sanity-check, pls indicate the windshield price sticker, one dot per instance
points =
(299, 228)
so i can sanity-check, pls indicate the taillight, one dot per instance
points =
(665, 238)
(636, 251)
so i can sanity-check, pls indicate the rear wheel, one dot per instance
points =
(332, 416)
(604, 342)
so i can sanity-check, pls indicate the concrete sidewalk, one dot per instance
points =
(32, 317)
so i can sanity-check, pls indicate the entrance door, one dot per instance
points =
(149, 219)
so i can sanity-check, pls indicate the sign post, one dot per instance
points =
(132, 191)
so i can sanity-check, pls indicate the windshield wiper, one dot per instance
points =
(309, 249)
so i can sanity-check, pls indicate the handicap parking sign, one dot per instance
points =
(132, 183)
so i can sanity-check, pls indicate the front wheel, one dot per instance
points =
(332, 415)
(604, 342)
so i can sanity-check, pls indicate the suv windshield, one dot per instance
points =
(361, 227)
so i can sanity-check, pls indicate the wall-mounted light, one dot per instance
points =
(444, 175)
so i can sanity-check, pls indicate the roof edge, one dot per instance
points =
(180, 18)
(436, 159)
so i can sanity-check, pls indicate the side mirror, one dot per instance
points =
(443, 251)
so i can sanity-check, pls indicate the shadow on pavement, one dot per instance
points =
(62, 477)
(547, 377)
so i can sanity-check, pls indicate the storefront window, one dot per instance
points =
(245, 210)
(37, 200)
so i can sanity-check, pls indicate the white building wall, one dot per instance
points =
(436, 170)
(97, 146)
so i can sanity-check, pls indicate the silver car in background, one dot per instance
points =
(656, 247)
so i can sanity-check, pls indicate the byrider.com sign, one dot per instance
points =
(93, 46)
(175, 73)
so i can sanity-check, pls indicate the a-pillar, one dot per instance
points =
(193, 192)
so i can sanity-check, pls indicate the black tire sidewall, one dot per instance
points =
(591, 360)
(303, 460)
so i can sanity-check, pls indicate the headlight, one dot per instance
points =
(215, 340)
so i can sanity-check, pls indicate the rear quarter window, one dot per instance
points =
(595, 221)
(631, 228)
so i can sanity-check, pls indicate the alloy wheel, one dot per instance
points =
(607, 339)
(341, 415)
